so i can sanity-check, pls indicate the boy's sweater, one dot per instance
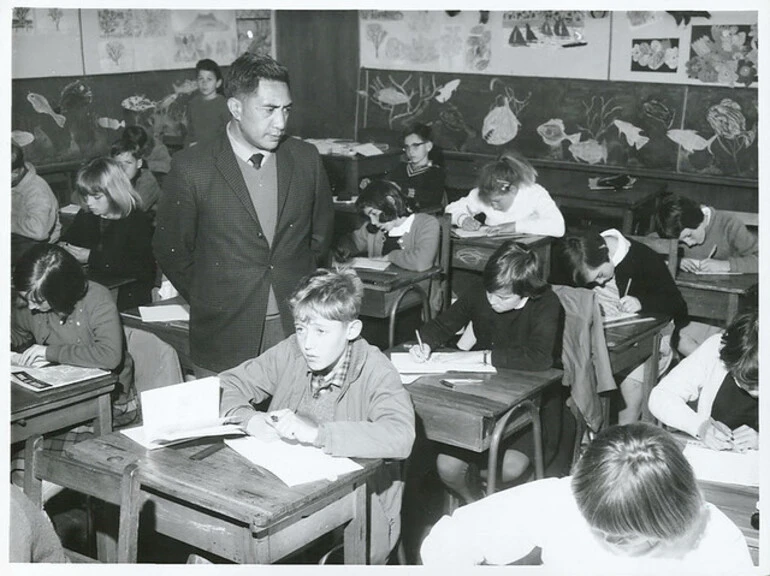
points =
(523, 339)
(206, 118)
(34, 208)
(423, 188)
(733, 241)
(148, 189)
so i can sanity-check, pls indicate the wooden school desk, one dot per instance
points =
(473, 253)
(632, 344)
(222, 504)
(738, 503)
(345, 172)
(176, 333)
(472, 416)
(34, 413)
(713, 296)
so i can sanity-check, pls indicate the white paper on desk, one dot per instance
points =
(293, 464)
(166, 313)
(483, 232)
(439, 363)
(723, 466)
(139, 435)
(369, 264)
(70, 209)
(368, 149)
(409, 378)
(705, 273)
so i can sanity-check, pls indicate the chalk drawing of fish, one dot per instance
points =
(690, 140)
(41, 105)
(554, 133)
(632, 133)
(590, 151)
(22, 138)
(167, 101)
(111, 123)
(186, 87)
(446, 91)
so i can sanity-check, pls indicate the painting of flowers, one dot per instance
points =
(724, 54)
(659, 55)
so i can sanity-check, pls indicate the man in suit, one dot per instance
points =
(242, 219)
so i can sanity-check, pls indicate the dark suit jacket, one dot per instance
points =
(120, 247)
(209, 243)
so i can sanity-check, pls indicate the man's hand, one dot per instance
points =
(293, 427)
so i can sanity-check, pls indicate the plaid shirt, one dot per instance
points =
(322, 383)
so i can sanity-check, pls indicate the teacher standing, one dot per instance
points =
(243, 218)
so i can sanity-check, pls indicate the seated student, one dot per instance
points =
(129, 155)
(421, 177)
(32, 535)
(713, 242)
(516, 323)
(34, 208)
(722, 376)
(510, 201)
(331, 389)
(62, 317)
(409, 241)
(612, 265)
(632, 506)
(112, 235)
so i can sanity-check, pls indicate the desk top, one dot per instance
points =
(641, 192)
(26, 403)
(393, 278)
(493, 242)
(731, 283)
(249, 493)
(132, 317)
(737, 502)
(622, 336)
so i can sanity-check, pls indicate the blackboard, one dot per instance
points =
(590, 122)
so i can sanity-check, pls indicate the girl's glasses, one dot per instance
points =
(413, 146)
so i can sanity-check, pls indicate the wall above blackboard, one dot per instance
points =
(632, 125)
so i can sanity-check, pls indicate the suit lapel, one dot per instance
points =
(227, 165)
(285, 167)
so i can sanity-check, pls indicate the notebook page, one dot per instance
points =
(439, 363)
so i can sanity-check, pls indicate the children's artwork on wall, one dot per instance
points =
(58, 30)
(529, 43)
(127, 40)
(713, 48)
(255, 35)
(638, 19)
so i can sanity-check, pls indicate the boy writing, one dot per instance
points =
(331, 389)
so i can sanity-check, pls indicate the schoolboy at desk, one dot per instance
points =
(722, 376)
(516, 323)
(331, 389)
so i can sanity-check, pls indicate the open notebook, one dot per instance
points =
(440, 362)
(723, 466)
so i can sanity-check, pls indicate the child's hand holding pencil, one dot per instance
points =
(421, 351)
(630, 304)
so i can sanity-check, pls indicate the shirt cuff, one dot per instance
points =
(320, 440)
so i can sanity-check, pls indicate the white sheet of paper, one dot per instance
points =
(70, 209)
(369, 264)
(409, 378)
(704, 273)
(293, 464)
(439, 363)
(723, 466)
(367, 149)
(166, 313)
(139, 435)
(186, 406)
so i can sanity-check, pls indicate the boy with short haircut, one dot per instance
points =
(330, 388)
(207, 111)
(34, 208)
(130, 156)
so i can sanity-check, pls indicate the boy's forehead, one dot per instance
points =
(315, 320)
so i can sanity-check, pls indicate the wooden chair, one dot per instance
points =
(58, 468)
(667, 247)
(439, 272)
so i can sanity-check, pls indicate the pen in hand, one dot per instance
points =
(628, 287)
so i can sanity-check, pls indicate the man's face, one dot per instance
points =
(261, 116)
(323, 341)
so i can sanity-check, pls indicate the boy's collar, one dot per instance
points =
(402, 228)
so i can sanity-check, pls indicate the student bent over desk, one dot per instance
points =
(330, 388)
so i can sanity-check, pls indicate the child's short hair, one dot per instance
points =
(123, 145)
(633, 480)
(504, 175)
(139, 137)
(105, 176)
(209, 65)
(419, 129)
(740, 349)
(248, 69)
(580, 254)
(514, 267)
(383, 195)
(17, 156)
(48, 272)
(674, 213)
(329, 295)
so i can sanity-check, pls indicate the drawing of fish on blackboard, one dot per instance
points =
(40, 104)
(632, 133)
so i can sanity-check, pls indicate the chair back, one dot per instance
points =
(667, 247)
(156, 363)
(445, 259)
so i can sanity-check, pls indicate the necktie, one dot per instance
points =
(256, 160)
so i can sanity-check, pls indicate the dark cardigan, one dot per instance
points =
(525, 339)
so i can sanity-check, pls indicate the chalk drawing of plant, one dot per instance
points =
(376, 34)
(56, 14)
(115, 51)
(400, 100)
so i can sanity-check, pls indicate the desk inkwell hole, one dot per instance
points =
(115, 459)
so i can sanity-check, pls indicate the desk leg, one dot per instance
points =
(628, 221)
(650, 378)
(355, 532)
(103, 424)
(106, 517)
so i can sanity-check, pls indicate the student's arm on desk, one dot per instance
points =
(498, 529)
(685, 383)
(251, 381)
(440, 330)
(545, 218)
(388, 431)
(465, 207)
(176, 229)
(426, 232)
(744, 248)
